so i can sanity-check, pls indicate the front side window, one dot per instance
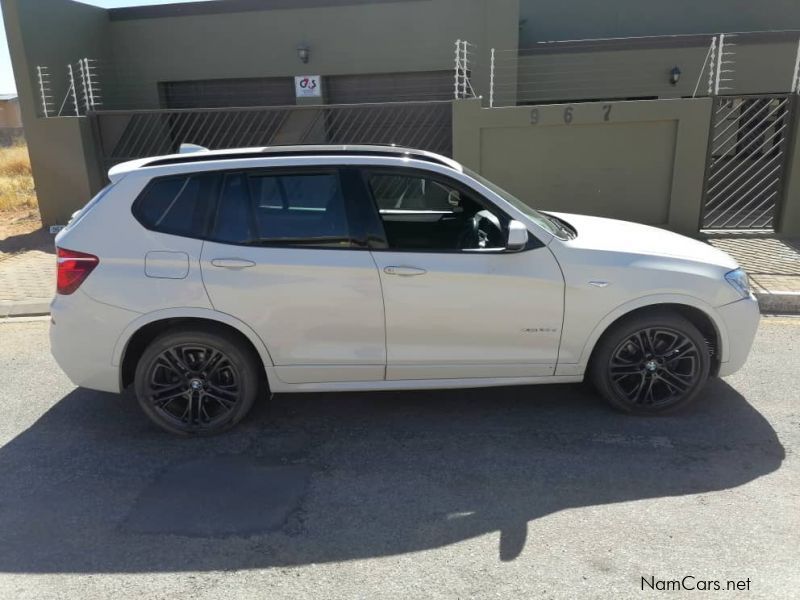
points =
(423, 213)
(546, 222)
(302, 209)
(177, 205)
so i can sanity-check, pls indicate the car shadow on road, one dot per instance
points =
(91, 487)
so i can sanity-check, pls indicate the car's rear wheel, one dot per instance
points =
(651, 363)
(192, 382)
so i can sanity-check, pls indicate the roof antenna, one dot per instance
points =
(191, 148)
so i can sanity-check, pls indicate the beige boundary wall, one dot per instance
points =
(642, 161)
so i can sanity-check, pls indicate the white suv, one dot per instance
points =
(207, 278)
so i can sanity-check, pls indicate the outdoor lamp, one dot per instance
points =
(304, 52)
(675, 76)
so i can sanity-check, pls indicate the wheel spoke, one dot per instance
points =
(635, 393)
(683, 351)
(625, 370)
(648, 395)
(213, 358)
(217, 389)
(175, 361)
(226, 403)
(647, 342)
(674, 381)
(164, 401)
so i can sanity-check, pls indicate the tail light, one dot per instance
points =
(73, 269)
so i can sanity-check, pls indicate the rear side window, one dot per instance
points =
(293, 209)
(178, 205)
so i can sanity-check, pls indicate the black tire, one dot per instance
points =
(196, 382)
(652, 363)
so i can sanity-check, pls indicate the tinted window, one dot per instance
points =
(295, 209)
(400, 192)
(232, 224)
(423, 213)
(177, 205)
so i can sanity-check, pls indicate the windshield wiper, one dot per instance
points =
(565, 228)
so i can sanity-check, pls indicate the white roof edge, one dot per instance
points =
(117, 172)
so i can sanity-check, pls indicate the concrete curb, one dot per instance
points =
(779, 302)
(28, 308)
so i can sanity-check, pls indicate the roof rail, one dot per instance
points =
(190, 153)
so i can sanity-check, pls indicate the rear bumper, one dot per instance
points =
(741, 323)
(83, 334)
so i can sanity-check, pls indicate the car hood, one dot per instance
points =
(611, 235)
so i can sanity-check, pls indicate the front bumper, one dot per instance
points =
(741, 323)
(83, 334)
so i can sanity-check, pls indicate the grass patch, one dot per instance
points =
(16, 182)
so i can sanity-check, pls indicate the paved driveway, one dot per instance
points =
(501, 493)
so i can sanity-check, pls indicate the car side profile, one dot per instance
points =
(208, 278)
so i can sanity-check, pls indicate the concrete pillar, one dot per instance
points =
(789, 209)
(63, 156)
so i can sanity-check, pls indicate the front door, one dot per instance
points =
(284, 262)
(457, 304)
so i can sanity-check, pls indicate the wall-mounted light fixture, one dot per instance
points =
(675, 76)
(304, 52)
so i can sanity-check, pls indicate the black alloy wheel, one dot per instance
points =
(651, 364)
(196, 382)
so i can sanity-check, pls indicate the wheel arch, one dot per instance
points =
(143, 330)
(700, 314)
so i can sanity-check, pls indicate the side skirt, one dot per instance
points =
(279, 387)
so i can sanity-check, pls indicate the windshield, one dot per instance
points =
(548, 223)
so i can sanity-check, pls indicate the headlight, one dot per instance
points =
(738, 279)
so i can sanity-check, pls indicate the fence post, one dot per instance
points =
(711, 66)
(796, 74)
(84, 87)
(94, 85)
(491, 80)
(42, 75)
(73, 89)
(720, 54)
(458, 68)
(464, 69)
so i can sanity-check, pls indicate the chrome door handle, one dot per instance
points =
(404, 271)
(232, 263)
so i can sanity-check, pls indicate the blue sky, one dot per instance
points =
(7, 84)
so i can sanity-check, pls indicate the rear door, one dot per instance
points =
(286, 259)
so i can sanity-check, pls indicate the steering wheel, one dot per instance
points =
(474, 236)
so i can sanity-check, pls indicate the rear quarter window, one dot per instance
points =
(178, 205)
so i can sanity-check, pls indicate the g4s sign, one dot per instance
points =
(307, 86)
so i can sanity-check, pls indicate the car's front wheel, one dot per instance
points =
(196, 382)
(651, 363)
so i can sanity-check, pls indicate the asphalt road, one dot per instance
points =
(500, 493)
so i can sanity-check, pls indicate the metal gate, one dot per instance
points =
(126, 135)
(747, 161)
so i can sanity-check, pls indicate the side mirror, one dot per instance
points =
(517, 236)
